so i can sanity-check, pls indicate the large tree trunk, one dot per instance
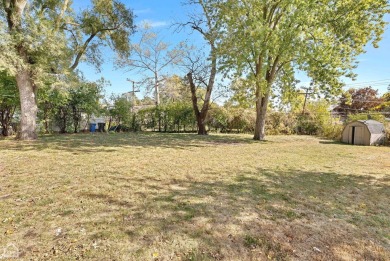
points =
(28, 105)
(62, 119)
(201, 124)
(262, 96)
(261, 111)
(200, 115)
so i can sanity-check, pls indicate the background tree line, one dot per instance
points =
(67, 108)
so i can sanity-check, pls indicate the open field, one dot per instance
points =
(182, 197)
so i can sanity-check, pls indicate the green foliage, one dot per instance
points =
(262, 40)
(9, 101)
(52, 104)
(177, 116)
(318, 120)
(47, 39)
(231, 119)
(366, 116)
(52, 38)
(241, 120)
(63, 106)
(174, 116)
(218, 118)
(243, 93)
(121, 110)
(84, 98)
(110, 22)
(384, 107)
(281, 123)
(8, 90)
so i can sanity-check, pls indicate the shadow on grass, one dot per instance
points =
(333, 142)
(268, 214)
(94, 143)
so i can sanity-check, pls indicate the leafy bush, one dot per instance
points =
(218, 118)
(173, 117)
(241, 120)
(366, 116)
(278, 123)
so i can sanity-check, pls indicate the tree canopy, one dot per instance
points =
(262, 39)
(47, 39)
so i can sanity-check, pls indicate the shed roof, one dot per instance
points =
(375, 127)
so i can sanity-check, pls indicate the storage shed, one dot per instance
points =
(364, 132)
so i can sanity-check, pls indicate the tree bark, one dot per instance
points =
(76, 119)
(200, 115)
(4, 125)
(28, 105)
(261, 111)
(262, 96)
(5, 119)
(62, 119)
(201, 119)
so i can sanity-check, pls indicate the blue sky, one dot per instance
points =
(374, 67)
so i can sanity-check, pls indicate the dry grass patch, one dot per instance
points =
(182, 197)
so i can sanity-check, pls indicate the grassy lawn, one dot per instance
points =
(183, 197)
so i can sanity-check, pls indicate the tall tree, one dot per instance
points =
(151, 56)
(202, 68)
(319, 37)
(46, 37)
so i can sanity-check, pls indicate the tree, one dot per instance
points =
(174, 89)
(384, 107)
(242, 94)
(356, 101)
(202, 68)
(57, 41)
(84, 99)
(121, 110)
(52, 102)
(9, 101)
(260, 39)
(151, 56)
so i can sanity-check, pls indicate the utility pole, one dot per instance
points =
(306, 94)
(133, 93)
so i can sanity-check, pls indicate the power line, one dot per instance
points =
(369, 83)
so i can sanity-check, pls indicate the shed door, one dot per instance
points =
(357, 135)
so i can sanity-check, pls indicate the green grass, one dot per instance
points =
(152, 196)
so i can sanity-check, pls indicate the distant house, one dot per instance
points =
(364, 132)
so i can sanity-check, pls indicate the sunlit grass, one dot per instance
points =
(152, 196)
